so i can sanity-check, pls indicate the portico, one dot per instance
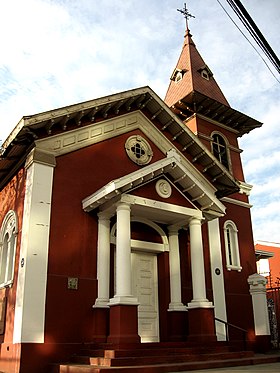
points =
(122, 307)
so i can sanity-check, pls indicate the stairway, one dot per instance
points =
(158, 358)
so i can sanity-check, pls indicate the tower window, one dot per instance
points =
(231, 246)
(219, 149)
(8, 238)
(205, 74)
(177, 75)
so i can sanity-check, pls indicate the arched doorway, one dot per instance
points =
(147, 240)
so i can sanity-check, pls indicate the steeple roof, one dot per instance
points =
(192, 75)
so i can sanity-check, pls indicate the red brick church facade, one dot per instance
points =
(126, 220)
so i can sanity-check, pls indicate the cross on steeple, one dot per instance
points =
(186, 14)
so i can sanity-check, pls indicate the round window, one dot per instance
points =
(138, 150)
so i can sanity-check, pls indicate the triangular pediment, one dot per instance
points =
(196, 189)
(70, 128)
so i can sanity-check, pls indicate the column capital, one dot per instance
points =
(104, 215)
(40, 156)
(195, 221)
(257, 283)
(123, 206)
(173, 229)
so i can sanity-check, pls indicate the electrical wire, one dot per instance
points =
(248, 22)
(255, 38)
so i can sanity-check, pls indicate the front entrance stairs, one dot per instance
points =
(159, 358)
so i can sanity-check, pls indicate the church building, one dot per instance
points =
(125, 222)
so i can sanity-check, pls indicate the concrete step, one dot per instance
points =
(168, 368)
(159, 359)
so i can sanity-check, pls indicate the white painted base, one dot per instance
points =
(123, 300)
(200, 304)
(177, 307)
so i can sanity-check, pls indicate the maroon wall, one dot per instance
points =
(73, 235)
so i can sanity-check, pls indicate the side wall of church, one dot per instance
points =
(11, 198)
(238, 298)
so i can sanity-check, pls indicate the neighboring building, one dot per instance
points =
(268, 262)
(122, 201)
(268, 265)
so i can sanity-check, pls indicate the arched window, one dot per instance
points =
(231, 246)
(8, 238)
(219, 148)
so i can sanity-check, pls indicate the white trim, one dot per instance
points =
(217, 275)
(209, 138)
(29, 321)
(137, 244)
(179, 168)
(152, 247)
(81, 137)
(236, 202)
(229, 163)
(233, 261)
(257, 285)
(267, 243)
(245, 188)
(9, 226)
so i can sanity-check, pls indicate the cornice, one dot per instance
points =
(236, 202)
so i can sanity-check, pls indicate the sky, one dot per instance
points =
(55, 53)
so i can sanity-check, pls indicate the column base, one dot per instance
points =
(177, 307)
(200, 303)
(124, 300)
(177, 326)
(201, 325)
(123, 324)
(262, 343)
(100, 324)
(101, 303)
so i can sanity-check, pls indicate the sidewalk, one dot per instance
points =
(260, 368)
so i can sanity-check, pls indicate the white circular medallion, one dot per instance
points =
(163, 188)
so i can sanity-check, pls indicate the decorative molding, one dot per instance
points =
(236, 202)
(245, 188)
(39, 156)
(138, 150)
(81, 137)
(163, 188)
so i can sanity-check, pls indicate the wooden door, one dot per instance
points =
(145, 288)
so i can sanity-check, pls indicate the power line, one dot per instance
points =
(248, 22)
(252, 28)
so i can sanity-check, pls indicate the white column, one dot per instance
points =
(29, 321)
(123, 257)
(258, 292)
(217, 275)
(197, 264)
(175, 272)
(103, 261)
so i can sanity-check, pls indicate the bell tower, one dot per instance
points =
(195, 96)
